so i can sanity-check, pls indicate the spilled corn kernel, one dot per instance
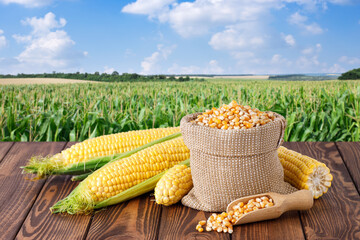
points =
(224, 222)
(234, 116)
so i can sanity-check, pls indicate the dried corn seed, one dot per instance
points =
(232, 115)
(223, 222)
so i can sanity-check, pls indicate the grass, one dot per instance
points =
(315, 111)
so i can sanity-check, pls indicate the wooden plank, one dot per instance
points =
(4, 149)
(179, 222)
(18, 194)
(288, 226)
(335, 215)
(41, 224)
(350, 153)
(135, 219)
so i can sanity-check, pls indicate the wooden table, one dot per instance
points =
(24, 204)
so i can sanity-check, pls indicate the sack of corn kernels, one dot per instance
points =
(233, 163)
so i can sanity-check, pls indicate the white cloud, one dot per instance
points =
(243, 55)
(47, 47)
(304, 62)
(198, 17)
(309, 59)
(150, 65)
(108, 70)
(308, 51)
(241, 36)
(48, 50)
(28, 3)
(350, 60)
(147, 7)
(276, 58)
(44, 25)
(314, 28)
(312, 50)
(213, 68)
(2, 39)
(22, 39)
(297, 19)
(301, 21)
(335, 68)
(289, 39)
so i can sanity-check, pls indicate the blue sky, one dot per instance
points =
(180, 37)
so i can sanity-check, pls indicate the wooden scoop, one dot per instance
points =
(299, 200)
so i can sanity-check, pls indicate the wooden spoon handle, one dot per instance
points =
(299, 200)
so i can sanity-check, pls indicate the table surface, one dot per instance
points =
(24, 204)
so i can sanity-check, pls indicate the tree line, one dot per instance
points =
(103, 77)
(351, 75)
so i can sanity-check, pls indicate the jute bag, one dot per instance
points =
(229, 164)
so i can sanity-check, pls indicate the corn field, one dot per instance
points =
(315, 111)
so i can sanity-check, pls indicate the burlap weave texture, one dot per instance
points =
(229, 164)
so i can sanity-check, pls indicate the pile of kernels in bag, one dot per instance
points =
(234, 116)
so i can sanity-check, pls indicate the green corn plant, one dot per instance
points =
(324, 110)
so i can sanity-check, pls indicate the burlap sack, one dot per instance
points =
(229, 164)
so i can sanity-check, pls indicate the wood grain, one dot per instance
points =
(135, 219)
(4, 148)
(335, 215)
(18, 194)
(350, 153)
(179, 222)
(288, 226)
(41, 224)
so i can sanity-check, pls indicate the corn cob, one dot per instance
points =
(137, 190)
(119, 176)
(94, 153)
(304, 172)
(174, 185)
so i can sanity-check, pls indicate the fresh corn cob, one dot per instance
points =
(174, 185)
(96, 152)
(118, 176)
(304, 172)
(137, 190)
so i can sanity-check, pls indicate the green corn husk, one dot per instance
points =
(80, 177)
(43, 166)
(82, 203)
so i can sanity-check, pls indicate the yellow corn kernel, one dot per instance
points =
(174, 185)
(120, 175)
(112, 144)
(304, 172)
